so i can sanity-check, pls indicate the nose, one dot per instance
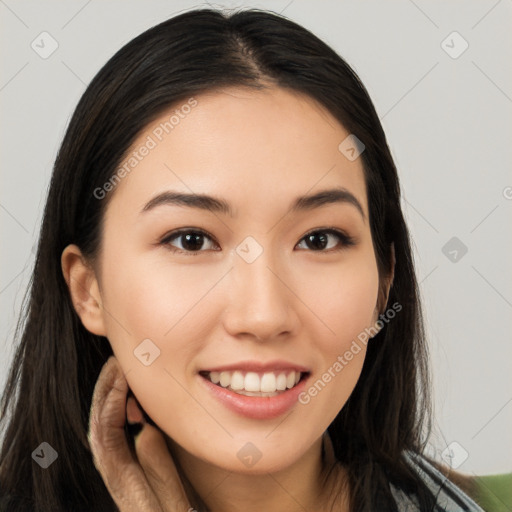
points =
(261, 304)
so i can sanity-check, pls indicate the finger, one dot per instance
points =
(160, 470)
(123, 477)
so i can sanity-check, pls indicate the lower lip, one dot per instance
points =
(259, 408)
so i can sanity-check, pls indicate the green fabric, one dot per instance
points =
(494, 492)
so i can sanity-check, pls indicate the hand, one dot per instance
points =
(149, 484)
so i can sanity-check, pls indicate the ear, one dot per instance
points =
(83, 289)
(387, 283)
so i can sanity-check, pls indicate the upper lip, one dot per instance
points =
(256, 366)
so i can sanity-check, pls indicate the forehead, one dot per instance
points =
(254, 147)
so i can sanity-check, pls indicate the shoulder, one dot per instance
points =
(449, 497)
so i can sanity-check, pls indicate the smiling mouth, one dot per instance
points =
(260, 384)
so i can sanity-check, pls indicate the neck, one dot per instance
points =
(310, 483)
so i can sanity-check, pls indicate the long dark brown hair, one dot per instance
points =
(52, 377)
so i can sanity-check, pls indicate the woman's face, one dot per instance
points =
(253, 292)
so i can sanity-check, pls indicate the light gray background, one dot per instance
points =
(448, 122)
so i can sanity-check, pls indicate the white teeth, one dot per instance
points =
(281, 382)
(268, 383)
(253, 383)
(225, 379)
(237, 381)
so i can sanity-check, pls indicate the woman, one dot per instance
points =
(223, 265)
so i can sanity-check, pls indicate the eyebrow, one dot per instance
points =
(217, 205)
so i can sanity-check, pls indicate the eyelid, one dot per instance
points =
(180, 231)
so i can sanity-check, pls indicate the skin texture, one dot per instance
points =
(258, 150)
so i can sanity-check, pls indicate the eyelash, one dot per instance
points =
(345, 240)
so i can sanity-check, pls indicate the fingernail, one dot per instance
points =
(133, 412)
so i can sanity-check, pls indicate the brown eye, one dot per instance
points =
(324, 240)
(188, 241)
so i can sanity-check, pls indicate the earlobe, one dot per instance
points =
(83, 289)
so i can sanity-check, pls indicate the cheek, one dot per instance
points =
(158, 317)
(157, 322)
(155, 300)
(344, 299)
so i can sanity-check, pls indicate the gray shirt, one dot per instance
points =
(449, 498)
